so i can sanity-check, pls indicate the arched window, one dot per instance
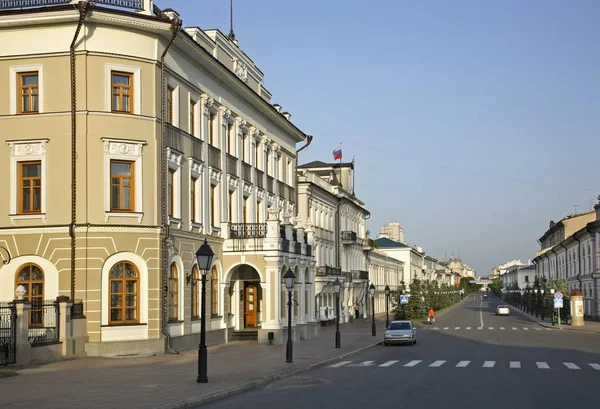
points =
(124, 294)
(31, 277)
(214, 292)
(195, 292)
(173, 293)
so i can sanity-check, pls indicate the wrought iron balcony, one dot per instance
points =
(329, 271)
(174, 138)
(248, 230)
(298, 248)
(197, 149)
(247, 172)
(137, 5)
(270, 180)
(260, 179)
(360, 275)
(348, 237)
(232, 165)
(214, 157)
(309, 250)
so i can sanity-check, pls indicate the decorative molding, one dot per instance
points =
(273, 213)
(260, 194)
(240, 69)
(174, 158)
(232, 183)
(196, 167)
(207, 101)
(123, 147)
(270, 199)
(28, 148)
(247, 188)
(225, 113)
(241, 123)
(215, 176)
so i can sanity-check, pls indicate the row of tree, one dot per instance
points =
(424, 295)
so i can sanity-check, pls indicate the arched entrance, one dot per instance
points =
(246, 295)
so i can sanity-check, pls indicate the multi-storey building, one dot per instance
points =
(412, 258)
(128, 142)
(392, 231)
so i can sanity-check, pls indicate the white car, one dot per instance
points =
(502, 310)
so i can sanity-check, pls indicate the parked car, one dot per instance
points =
(502, 310)
(400, 332)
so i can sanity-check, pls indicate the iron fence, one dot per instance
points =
(214, 157)
(248, 230)
(137, 5)
(44, 323)
(232, 165)
(8, 334)
(259, 178)
(246, 172)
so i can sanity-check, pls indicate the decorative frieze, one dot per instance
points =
(196, 167)
(215, 176)
(240, 69)
(174, 158)
(28, 148)
(207, 102)
(123, 148)
(232, 183)
(247, 188)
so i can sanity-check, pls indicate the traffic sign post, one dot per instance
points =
(403, 302)
(558, 296)
(558, 304)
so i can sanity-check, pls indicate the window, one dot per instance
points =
(171, 183)
(122, 186)
(30, 187)
(256, 146)
(212, 205)
(28, 92)
(231, 206)
(192, 117)
(122, 91)
(211, 129)
(173, 293)
(170, 92)
(245, 210)
(214, 292)
(243, 156)
(193, 213)
(124, 294)
(195, 292)
(267, 164)
(31, 277)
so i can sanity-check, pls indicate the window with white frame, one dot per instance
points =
(123, 177)
(174, 188)
(123, 89)
(194, 122)
(172, 101)
(28, 178)
(26, 89)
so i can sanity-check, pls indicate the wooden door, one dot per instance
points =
(250, 304)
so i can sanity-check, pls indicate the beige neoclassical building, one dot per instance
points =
(127, 141)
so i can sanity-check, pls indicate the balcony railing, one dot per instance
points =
(248, 230)
(137, 5)
(44, 322)
(285, 245)
(214, 157)
(360, 275)
(173, 138)
(280, 189)
(349, 236)
(308, 250)
(270, 184)
(246, 172)
(232, 165)
(329, 271)
(298, 248)
(196, 149)
(259, 179)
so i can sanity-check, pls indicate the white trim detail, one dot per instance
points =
(174, 162)
(8, 271)
(137, 99)
(13, 85)
(176, 111)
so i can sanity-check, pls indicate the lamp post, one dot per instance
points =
(289, 278)
(536, 302)
(543, 303)
(204, 256)
(387, 305)
(372, 292)
(337, 286)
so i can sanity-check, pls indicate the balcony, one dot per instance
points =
(360, 275)
(137, 5)
(329, 271)
(174, 138)
(308, 250)
(348, 237)
(196, 149)
(214, 157)
(246, 172)
(259, 179)
(298, 248)
(270, 184)
(248, 230)
(280, 189)
(232, 165)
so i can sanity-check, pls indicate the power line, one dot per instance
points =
(455, 168)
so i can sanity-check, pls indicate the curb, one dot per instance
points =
(543, 324)
(256, 384)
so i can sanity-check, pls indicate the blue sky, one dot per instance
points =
(473, 123)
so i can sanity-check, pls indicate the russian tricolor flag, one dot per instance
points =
(337, 153)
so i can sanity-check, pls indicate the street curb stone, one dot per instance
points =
(543, 324)
(256, 384)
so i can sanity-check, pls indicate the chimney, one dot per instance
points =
(597, 208)
(287, 115)
(277, 107)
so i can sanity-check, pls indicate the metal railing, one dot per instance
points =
(360, 275)
(285, 245)
(196, 149)
(173, 138)
(8, 334)
(308, 250)
(232, 165)
(19, 4)
(44, 323)
(298, 248)
(248, 230)
(348, 236)
(270, 180)
(246, 172)
(214, 157)
(328, 271)
(259, 179)
(281, 189)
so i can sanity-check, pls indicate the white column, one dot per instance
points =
(206, 102)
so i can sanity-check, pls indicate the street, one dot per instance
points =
(469, 358)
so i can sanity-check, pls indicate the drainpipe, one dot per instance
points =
(175, 27)
(83, 7)
(309, 139)
(578, 261)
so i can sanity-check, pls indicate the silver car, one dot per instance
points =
(400, 332)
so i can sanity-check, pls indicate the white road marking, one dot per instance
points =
(413, 363)
(445, 328)
(388, 363)
(481, 312)
(491, 328)
(514, 328)
(468, 328)
(479, 327)
(437, 364)
(542, 365)
(489, 364)
(571, 365)
(435, 328)
(525, 329)
(502, 328)
(515, 364)
(457, 328)
(366, 363)
(339, 364)
(595, 366)
(463, 364)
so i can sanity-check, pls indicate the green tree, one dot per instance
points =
(415, 309)
(496, 286)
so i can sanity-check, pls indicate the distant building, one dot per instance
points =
(518, 277)
(392, 231)
(503, 268)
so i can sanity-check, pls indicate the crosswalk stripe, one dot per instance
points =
(542, 365)
(595, 366)
(491, 328)
(538, 329)
(445, 328)
(366, 363)
(413, 363)
(457, 328)
(468, 328)
(502, 328)
(339, 364)
(437, 364)
(479, 327)
(515, 364)
(388, 363)
(514, 328)
(525, 329)
(462, 364)
(489, 364)
(435, 328)
(571, 365)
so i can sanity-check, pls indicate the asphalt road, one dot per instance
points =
(469, 358)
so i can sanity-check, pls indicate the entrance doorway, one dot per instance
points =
(251, 304)
(247, 304)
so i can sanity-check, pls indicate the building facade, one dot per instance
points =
(518, 277)
(412, 259)
(176, 129)
(392, 231)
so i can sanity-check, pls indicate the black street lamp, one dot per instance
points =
(372, 292)
(543, 303)
(289, 278)
(204, 256)
(387, 305)
(337, 286)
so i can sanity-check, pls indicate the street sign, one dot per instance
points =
(558, 303)
(558, 296)
(404, 299)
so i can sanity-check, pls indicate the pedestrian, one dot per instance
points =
(431, 316)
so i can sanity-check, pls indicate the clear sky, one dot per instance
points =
(473, 123)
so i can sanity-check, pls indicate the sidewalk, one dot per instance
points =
(590, 326)
(169, 381)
